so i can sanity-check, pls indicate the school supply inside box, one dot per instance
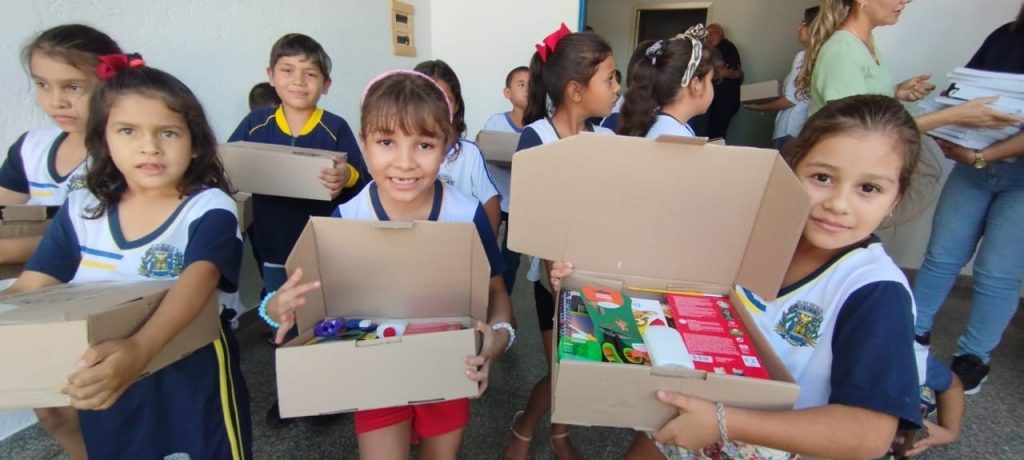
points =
(689, 331)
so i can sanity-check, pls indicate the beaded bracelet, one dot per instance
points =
(728, 448)
(263, 311)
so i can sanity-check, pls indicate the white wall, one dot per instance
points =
(483, 40)
(933, 37)
(764, 32)
(219, 49)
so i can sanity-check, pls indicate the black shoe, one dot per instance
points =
(972, 372)
(924, 339)
(274, 419)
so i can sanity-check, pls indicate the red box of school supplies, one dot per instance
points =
(715, 337)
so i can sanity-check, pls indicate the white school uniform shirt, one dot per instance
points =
(203, 227)
(538, 133)
(38, 154)
(449, 205)
(845, 333)
(467, 172)
(501, 175)
(790, 121)
(665, 124)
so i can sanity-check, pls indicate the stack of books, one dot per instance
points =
(969, 84)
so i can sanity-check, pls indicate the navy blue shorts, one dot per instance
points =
(196, 408)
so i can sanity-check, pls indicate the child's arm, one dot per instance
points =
(495, 342)
(950, 404)
(212, 257)
(29, 281)
(107, 369)
(774, 105)
(288, 298)
(8, 196)
(18, 250)
(339, 177)
(832, 431)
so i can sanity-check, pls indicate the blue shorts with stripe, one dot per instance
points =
(196, 408)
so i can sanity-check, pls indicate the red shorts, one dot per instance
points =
(428, 420)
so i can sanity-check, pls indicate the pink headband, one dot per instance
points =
(378, 78)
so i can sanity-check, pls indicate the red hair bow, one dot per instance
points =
(110, 64)
(551, 42)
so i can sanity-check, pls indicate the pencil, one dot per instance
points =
(665, 291)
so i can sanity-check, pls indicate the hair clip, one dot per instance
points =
(547, 47)
(111, 64)
(655, 51)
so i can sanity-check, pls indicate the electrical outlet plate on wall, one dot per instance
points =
(402, 38)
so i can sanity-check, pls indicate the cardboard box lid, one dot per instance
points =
(277, 170)
(498, 146)
(672, 210)
(391, 269)
(760, 91)
(75, 301)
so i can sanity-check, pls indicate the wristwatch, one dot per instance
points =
(979, 160)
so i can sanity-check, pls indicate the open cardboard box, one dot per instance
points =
(498, 147)
(420, 271)
(759, 92)
(277, 170)
(44, 333)
(676, 214)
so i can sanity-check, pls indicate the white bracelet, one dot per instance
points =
(511, 332)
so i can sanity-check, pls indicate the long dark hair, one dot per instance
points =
(656, 81)
(438, 69)
(104, 180)
(78, 45)
(574, 59)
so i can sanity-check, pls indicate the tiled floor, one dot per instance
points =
(991, 429)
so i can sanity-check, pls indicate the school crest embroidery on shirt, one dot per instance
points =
(75, 182)
(446, 180)
(162, 261)
(800, 325)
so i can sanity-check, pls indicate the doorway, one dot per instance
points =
(665, 21)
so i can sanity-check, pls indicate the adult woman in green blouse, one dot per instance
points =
(842, 60)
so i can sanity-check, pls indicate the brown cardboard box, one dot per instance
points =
(370, 269)
(19, 221)
(759, 92)
(44, 333)
(675, 214)
(277, 170)
(244, 202)
(498, 147)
